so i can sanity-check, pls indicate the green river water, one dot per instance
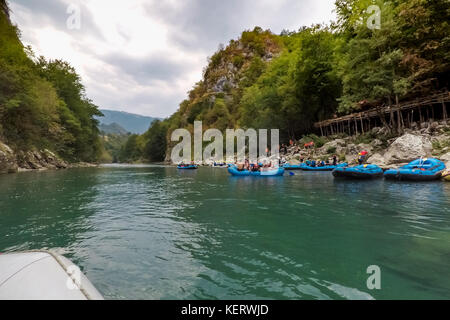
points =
(152, 232)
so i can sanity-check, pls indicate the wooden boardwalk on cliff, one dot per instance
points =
(395, 117)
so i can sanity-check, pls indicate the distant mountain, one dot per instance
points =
(133, 123)
(112, 128)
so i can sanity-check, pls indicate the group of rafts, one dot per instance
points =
(423, 169)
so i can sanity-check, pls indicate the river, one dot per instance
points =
(154, 232)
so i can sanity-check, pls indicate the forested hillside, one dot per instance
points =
(291, 80)
(260, 80)
(133, 123)
(43, 103)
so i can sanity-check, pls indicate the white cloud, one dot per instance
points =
(144, 56)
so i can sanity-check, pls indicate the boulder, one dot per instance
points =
(383, 131)
(52, 160)
(446, 158)
(27, 160)
(376, 130)
(377, 159)
(408, 148)
(338, 144)
(219, 86)
(434, 125)
(353, 149)
(376, 143)
(364, 146)
(7, 159)
(294, 162)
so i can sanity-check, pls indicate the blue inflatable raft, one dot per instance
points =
(288, 166)
(418, 170)
(187, 167)
(365, 171)
(324, 168)
(265, 173)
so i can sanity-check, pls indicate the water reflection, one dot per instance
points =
(45, 209)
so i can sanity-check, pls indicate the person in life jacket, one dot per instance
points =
(309, 145)
(362, 156)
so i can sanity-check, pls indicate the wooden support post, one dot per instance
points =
(444, 110)
(321, 131)
(356, 126)
(362, 124)
(420, 118)
(401, 124)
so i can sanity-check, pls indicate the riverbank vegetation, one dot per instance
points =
(42, 102)
(291, 80)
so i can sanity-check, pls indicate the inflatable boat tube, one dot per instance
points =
(265, 173)
(41, 275)
(324, 168)
(189, 167)
(365, 171)
(418, 170)
(288, 166)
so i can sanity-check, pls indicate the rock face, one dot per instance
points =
(11, 162)
(408, 148)
(377, 159)
(446, 159)
(38, 160)
(339, 145)
(7, 159)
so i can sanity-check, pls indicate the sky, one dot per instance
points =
(143, 56)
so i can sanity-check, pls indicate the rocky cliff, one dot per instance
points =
(11, 161)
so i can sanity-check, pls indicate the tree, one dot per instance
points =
(371, 66)
(77, 113)
(156, 145)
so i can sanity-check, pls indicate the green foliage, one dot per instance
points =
(441, 147)
(112, 146)
(156, 141)
(297, 88)
(42, 103)
(238, 61)
(77, 116)
(318, 141)
(408, 55)
(291, 80)
(218, 116)
(130, 152)
(331, 150)
(366, 138)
